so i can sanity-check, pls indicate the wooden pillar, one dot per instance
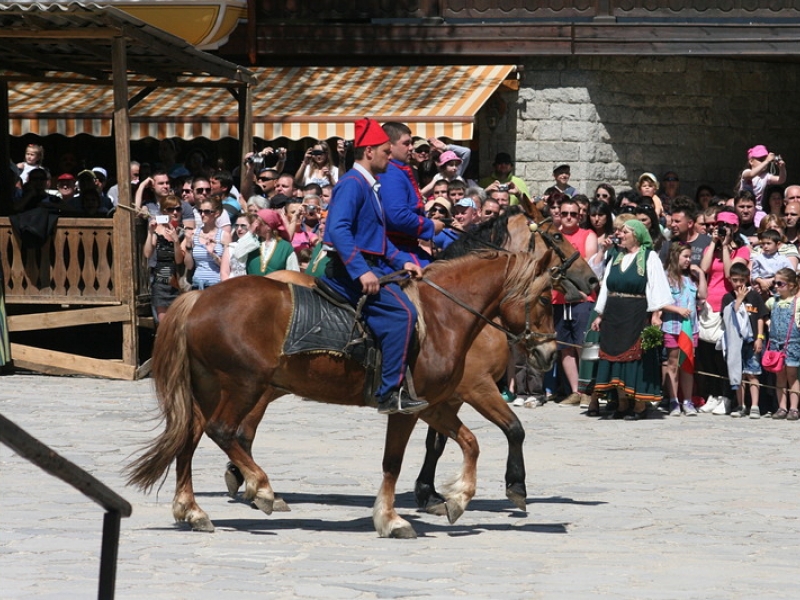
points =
(124, 246)
(245, 121)
(6, 180)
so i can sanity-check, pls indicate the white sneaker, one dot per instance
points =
(689, 409)
(724, 407)
(519, 401)
(674, 408)
(711, 404)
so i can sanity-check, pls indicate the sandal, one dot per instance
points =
(793, 415)
(781, 413)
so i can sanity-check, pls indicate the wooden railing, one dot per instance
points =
(74, 266)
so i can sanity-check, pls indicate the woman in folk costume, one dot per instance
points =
(634, 291)
(274, 252)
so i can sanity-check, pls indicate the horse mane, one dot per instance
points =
(494, 232)
(517, 287)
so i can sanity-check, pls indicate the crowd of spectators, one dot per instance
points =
(694, 263)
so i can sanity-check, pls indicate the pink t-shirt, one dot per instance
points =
(578, 241)
(718, 286)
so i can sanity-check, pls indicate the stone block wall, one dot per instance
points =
(612, 118)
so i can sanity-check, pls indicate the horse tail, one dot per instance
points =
(172, 377)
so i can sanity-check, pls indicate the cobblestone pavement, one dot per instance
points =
(667, 508)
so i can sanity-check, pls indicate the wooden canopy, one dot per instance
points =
(86, 43)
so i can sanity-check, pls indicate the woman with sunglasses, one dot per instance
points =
(317, 166)
(164, 253)
(204, 249)
(440, 209)
(606, 193)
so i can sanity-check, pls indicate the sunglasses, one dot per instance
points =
(186, 191)
(317, 153)
(602, 195)
(490, 213)
(437, 209)
(202, 190)
(267, 178)
(781, 284)
(574, 215)
(421, 151)
(206, 212)
(671, 179)
(173, 209)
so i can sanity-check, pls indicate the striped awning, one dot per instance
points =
(298, 102)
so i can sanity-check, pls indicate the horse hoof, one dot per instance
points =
(406, 532)
(233, 479)
(518, 496)
(454, 511)
(435, 507)
(203, 524)
(280, 505)
(264, 504)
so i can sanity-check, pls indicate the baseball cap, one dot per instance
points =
(757, 151)
(66, 177)
(561, 168)
(278, 201)
(446, 157)
(100, 171)
(421, 143)
(466, 203)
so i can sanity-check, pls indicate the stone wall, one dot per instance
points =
(613, 118)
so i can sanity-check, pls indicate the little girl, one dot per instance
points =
(34, 154)
(687, 282)
(756, 176)
(783, 320)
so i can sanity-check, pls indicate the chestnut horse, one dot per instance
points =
(486, 360)
(217, 356)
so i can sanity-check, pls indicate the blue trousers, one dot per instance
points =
(392, 318)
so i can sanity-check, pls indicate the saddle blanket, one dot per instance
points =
(318, 326)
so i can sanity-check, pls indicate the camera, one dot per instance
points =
(257, 160)
(311, 208)
(722, 231)
(778, 158)
(162, 219)
(615, 239)
(502, 187)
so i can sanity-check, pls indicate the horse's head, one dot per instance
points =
(572, 274)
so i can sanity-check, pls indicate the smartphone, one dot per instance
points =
(162, 219)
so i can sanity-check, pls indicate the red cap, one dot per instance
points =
(369, 133)
(66, 177)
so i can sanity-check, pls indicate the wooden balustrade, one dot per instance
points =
(75, 266)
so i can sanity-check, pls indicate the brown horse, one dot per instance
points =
(217, 357)
(486, 360)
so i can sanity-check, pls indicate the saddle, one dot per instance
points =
(322, 322)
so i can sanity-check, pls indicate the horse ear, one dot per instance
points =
(529, 208)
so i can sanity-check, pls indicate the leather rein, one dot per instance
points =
(556, 273)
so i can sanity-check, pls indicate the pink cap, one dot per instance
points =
(446, 157)
(730, 218)
(759, 151)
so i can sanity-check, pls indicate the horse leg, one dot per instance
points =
(223, 426)
(245, 436)
(184, 505)
(428, 499)
(386, 520)
(458, 493)
(487, 401)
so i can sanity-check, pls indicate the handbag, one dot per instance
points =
(710, 324)
(774, 360)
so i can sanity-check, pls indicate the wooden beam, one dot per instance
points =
(67, 318)
(7, 182)
(88, 33)
(245, 122)
(52, 362)
(123, 238)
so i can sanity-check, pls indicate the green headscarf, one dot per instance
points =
(645, 245)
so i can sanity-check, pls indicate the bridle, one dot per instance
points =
(559, 272)
(527, 334)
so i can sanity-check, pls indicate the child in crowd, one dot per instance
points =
(768, 261)
(744, 300)
(687, 282)
(34, 155)
(756, 176)
(449, 164)
(784, 335)
(456, 190)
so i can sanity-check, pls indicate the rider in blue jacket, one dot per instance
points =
(361, 253)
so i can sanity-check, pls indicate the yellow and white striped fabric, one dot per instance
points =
(296, 102)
